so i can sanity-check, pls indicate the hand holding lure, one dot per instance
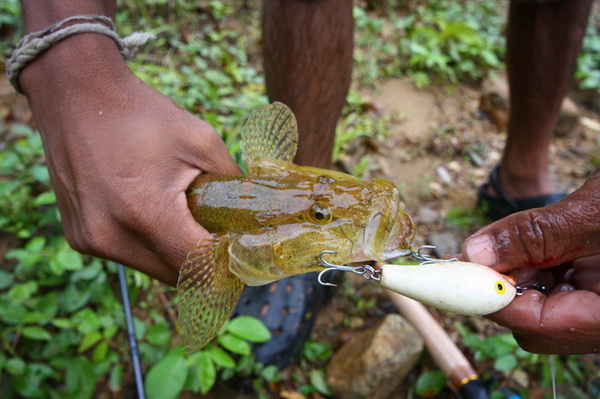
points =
(451, 285)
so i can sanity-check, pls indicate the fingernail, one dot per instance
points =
(481, 250)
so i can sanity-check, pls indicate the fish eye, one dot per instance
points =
(320, 214)
(500, 287)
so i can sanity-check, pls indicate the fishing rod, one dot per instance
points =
(442, 349)
(133, 348)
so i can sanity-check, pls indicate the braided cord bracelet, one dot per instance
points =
(35, 43)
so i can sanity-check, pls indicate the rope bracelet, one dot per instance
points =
(35, 43)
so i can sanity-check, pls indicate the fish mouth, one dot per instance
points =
(396, 253)
(387, 235)
(370, 237)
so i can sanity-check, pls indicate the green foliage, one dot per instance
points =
(61, 320)
(358, 124)
(588, 63)
(442, 41)
(315, 357)
(430, 383)
(176, 372)
(201, 64)
(10, 25)
(466, 219)
(573, 375)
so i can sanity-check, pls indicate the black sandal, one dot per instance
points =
(497, 207)
(287, 307)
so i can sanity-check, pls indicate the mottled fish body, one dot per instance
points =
(276, 221)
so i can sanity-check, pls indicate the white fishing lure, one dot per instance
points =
(459, 287)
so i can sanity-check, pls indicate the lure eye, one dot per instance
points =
(500, 287)
(320, 214)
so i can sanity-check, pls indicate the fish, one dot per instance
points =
(276, 221)
(454, 286)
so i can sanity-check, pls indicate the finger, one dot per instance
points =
(172, 232)
(202, 147)
(564, 322)
(586, 274)
(542, 237)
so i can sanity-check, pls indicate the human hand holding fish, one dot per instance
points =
(281, 219)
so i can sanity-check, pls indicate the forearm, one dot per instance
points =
(82, 62)
(40, 15)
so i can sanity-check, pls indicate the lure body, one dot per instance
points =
(276, 221)
(459, 287)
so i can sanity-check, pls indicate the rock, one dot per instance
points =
(568, 119)
(447, 243)
(427, 215)
(436, 190)
(375, 361)
(494, 101)
(590, 124)
(475, 158)
(444, 175)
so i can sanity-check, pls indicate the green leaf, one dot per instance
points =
(317, 351)
(249, 328)
(12, 313)
(66, 259)
(100, 352)
(28, 383)
(159, 334)
(6, 279)
(36, 333)
(86, 321)
(506, 363)
(207, 373)
(220, 357)
(62, 323)
(80, 379)
(47, 305)
(166, 378)
(15, 366)
(40, 173)
(115, 379)
(140, 328)
(45, 198)
(235, 344)
(22, 292)
(317, 380)
(90, 339)
(430, 383)
(270, 373)
(73, 298)
(88, 272)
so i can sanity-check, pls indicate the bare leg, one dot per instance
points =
(544, 39)
(308, 62)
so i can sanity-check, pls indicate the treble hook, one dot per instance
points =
(368, 272)
(329, 267)
(426, 259)
(534, 286)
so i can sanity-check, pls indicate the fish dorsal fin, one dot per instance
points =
(269, 133)
(208, 292)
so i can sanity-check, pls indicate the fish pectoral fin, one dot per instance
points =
(208, 291)
(271, 133)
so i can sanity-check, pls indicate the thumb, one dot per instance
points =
(542, 237)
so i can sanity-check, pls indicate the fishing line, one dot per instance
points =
(133, 348)
(553, 372)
